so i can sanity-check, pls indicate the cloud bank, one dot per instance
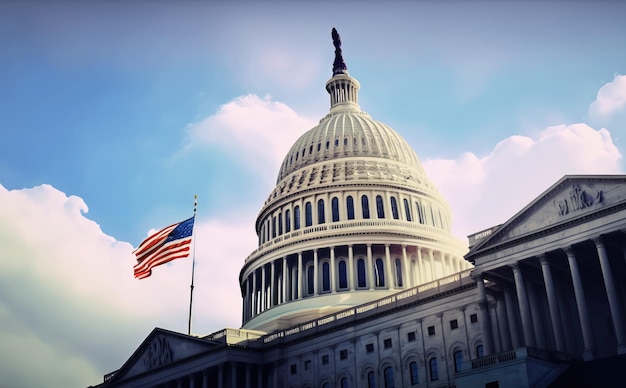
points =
(487, 191)
(70, 308)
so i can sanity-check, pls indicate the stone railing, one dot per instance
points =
(412, 295)
(333, 228)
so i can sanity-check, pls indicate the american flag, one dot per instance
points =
(170, 243)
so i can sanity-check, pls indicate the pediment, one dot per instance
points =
(160, 349)
(569, 199)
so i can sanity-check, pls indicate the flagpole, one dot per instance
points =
(193, 262)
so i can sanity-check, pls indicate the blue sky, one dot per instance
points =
(115, 114)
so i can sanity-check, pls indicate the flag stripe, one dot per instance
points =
(167, 250)
(170, 243)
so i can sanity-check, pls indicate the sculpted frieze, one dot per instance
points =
(578, 198)
(158, 354)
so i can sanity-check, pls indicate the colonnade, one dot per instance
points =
(226, 375)
(345, 268)
(556, 297)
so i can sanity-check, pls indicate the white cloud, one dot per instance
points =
(610, 100)
(487, 191)
(258, 130)
(70, 308)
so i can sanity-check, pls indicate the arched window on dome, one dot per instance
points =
(365, 207)
(325, 276)
(407, 209)
(334, 204)
(267, 230)
(371, 380)
(394, 208)
(389, 378)
(420, 212)
(308, 214)
(321, 218)
(343, 383)
(287, 221)
(280, 224)
(350, 207)
(274, 227)
(458, 360)
(380, 208)
(398, 272)
(360, 270)
(296, 218)
(379, 272)
(343, 275)
(310, 280)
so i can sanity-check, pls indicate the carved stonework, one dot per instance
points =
(158, 354)
(578, 199)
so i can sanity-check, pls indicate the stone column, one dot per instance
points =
(390, 270)
(351, 280)
(248, 374)
(300, 276)
(333, 271)
(407, 279)
(524, 306)
(611, 293)
(511, 308)
(540, 338)
(553, 304)
(581, 303)
(431, 258)
(420, 266)
(273, 285)
(233, 375)
(370, 268)
(263, 296)
(255, 301)
(485, 319)
(205, 379)
(259, 377)
(220, 376)
(285, 270)
(316, 278)
(505, 332)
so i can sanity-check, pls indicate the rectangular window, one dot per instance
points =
(454, 324)
(411, 336)
(493, 384)
(431, 330)
(294, 369)
(473, 318)
(343, 354)
(325, 359)
(387, 343)
(369, 348)
(307, 364)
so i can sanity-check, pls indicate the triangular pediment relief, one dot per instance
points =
(571, 198)
(161, 349)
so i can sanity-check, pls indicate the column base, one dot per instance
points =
(588, 355)
(621, 349)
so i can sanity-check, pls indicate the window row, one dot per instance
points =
(432, 365)
(279, 224)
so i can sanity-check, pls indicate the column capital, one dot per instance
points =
(598, 240)
(543, 259)
(477, 276)
(569, 251)
(515, 266)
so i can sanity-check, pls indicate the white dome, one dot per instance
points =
(352, 218)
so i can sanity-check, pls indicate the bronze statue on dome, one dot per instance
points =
(339, 66)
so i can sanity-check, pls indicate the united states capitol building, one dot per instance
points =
(357, 280)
